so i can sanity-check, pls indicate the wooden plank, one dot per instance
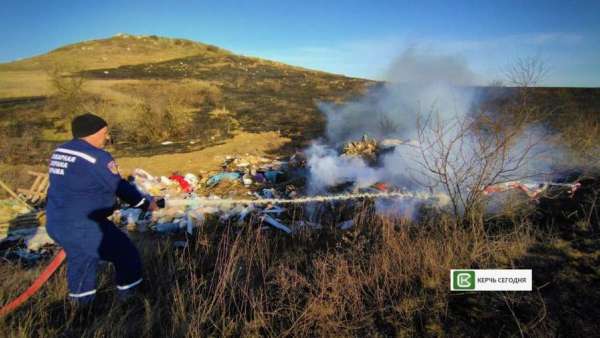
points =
(40, 194)
(13, 194)
(35, 184)
(4, 230)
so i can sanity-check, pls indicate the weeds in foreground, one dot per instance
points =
(384, 277)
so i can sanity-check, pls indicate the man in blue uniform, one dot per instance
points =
(84, 185)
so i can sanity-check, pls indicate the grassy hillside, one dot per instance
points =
(122, 49)
(28, 77)
(153, 89)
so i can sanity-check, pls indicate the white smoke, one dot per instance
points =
(420, 85)
(328, 169)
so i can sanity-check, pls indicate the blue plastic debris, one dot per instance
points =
(215, 179)
(271, 175)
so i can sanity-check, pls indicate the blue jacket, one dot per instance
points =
(84, 185)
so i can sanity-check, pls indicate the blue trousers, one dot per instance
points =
(86, 246)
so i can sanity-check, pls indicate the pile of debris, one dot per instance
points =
(240, 177)
(534, 190)
(370, 149)
(23, 236)
(366, 148)
(10, 209)
(248, 190)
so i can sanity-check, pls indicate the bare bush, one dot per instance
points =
(68, 87)
(463, 155)
(526, 71)
(224, 120)
(154, 122)
(387, 125)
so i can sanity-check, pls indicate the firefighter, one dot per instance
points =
(84, 186)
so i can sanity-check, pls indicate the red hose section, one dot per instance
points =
(36, 285)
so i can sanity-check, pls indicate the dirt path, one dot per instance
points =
(260, 144)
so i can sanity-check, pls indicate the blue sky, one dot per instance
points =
(355, 38)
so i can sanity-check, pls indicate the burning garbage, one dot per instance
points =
(261, 192)
(367, 148)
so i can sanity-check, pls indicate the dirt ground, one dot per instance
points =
(257, 144)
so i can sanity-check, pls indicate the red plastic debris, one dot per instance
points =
(185, 185)
(381, 186)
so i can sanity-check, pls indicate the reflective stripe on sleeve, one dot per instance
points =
(78, 154)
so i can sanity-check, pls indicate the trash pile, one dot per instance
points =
(10, 209)
(534, 190)
(248, 190)
(369, 149)
(23, 238)
(241, 177)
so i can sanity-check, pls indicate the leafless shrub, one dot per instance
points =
(68, 86)
(463, 155)
(526, 71)
(155, 121)
(387, 126)
(223, 119)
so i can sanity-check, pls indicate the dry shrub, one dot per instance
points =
(582, 135)
(170, 111)
(22, 143)
(152, 122)
(224, 120)
(190, 94)
(68, 85)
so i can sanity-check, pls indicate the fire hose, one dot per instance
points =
(203, 201)
(36, 285)
(61, 255)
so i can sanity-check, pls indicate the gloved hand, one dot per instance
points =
(156, 203)
(153, 206)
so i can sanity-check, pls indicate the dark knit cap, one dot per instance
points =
(86, 125)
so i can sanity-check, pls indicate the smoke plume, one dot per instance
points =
(420, 87)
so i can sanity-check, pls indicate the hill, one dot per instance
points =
(187, 90)
(119, 50)
(29, 77)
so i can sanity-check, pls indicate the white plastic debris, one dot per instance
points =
(35, 238)
(307, 224)
(191, 179)
(165, 180)
(392, 143)
(276, 224)
(274, 210)
(346, 224)
(38, 240)
(189, 224)
(245, 212)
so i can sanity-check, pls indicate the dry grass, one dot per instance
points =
(374, 280)
(116, 51)
(29, 77)
(24, 83)
(256, 144)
